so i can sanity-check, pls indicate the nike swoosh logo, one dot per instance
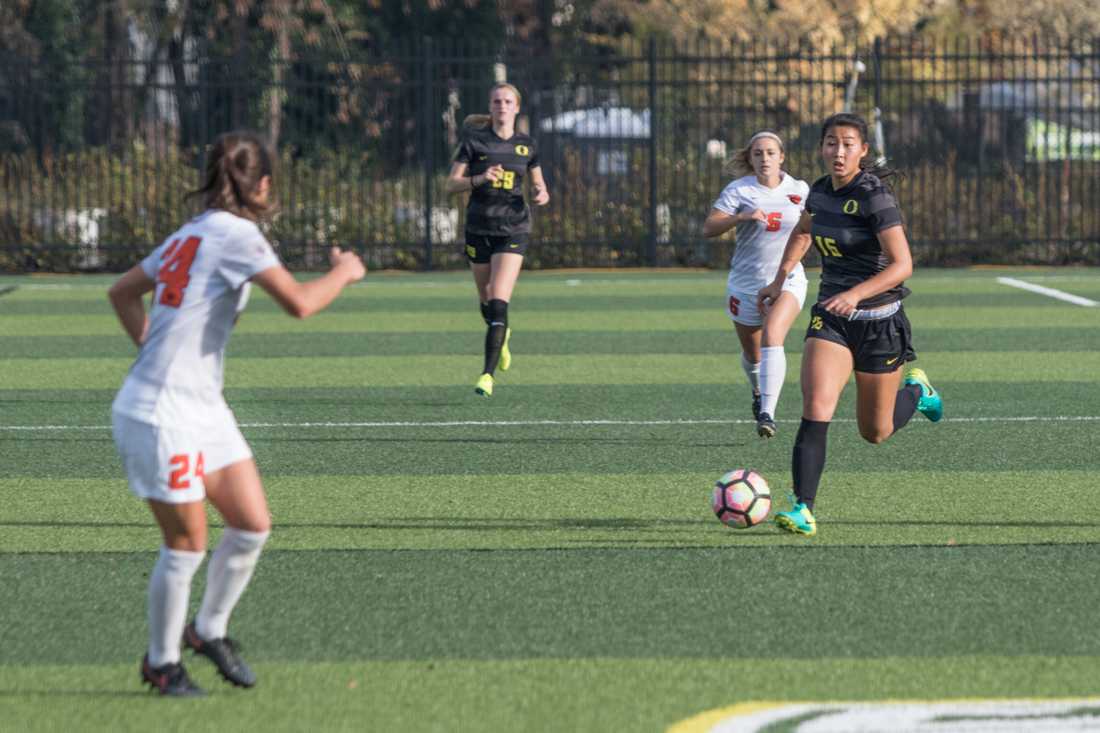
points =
(481, 157)
(891, 361)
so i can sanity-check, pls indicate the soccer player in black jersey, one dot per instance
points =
(858, 323)
(491, 161)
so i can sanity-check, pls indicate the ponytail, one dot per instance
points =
(235, 165)
(478, 120)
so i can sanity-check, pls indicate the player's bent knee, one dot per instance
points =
(875, 434)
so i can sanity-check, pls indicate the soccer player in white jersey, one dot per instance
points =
(764, 204)
(178, 440)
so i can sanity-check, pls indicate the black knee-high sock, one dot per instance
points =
(905, 405)
(485, 313)
(808, 460)
(494, 337)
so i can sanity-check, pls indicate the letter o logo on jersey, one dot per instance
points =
(851, 206)
(522, 150)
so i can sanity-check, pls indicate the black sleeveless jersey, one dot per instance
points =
(845, 228)
(497, 208)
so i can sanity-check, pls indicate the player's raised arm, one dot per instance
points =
(302, 300)
(459, 181)
(718, 222)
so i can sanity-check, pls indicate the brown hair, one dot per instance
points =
(484, 120)
(235, 164)
(741, 162)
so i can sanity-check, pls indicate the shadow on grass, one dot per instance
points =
(76, 693)
(455, 523)
(541, 440)
(343, 401)
(83, 436)
(486, 524)
(1024, 524)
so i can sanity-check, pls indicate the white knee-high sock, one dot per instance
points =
(228, 574)
(169, 592)
(773, 370)
(752, 371)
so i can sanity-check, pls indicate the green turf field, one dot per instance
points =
(546, 560)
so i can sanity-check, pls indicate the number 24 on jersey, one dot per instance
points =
(175, 273)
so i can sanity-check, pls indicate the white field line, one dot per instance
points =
(537, 423)
(1049, 292)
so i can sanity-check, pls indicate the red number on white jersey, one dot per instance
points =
(774, 219)
(175, 273)
(181, 465)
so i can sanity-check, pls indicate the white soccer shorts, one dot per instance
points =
(741, 305)
(169, 464)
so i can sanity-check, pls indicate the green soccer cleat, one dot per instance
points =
(485, 385)
(798, 520)
(930, 403)
(505, 354)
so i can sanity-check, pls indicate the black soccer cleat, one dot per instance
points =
(170, 680)
(755, 405)
(765, 426)
(225, 655)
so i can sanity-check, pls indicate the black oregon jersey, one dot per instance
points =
(845, 228)
(497, 208)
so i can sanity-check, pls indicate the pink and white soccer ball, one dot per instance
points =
(741, 498)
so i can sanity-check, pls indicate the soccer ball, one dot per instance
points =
(741, 499)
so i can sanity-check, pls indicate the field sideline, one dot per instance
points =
(546, 560)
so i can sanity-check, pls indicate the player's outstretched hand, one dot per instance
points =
(350, 262)
(542, 196)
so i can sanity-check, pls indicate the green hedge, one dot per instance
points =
(1031, 213)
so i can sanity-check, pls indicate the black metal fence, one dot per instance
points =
(997, 140)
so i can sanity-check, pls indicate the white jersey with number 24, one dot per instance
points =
(202, 273)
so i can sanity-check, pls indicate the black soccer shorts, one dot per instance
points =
(480, 248)
(878, 346)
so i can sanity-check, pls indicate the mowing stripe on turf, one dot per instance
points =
(1050, 292)
(536, 423)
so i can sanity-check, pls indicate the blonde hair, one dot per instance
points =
(741, 162)
(484, 120)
